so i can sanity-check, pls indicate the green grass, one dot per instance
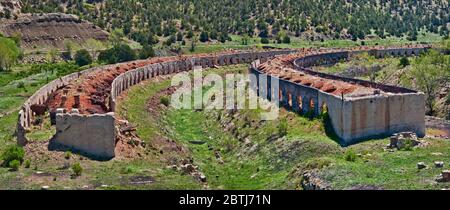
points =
(255, 42)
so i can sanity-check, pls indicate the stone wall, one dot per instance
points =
(93, 135)
(352, 118)
(40, 97)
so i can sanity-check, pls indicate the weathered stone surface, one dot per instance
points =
(421, 165)
(438, 164)
(404, 139)
(93, 135)
(311, 181)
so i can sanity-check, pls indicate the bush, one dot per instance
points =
(264, 41)
(77, 169)
(21, 84)
(12, 153)
(67, 155)
(146, 52)
(117, 54)
(82, 57)
(350, 155)
(204, 36)
(14, 165)
(404, 61)
(286, 39)
(27, 163)
(282, 127)
(165, 100)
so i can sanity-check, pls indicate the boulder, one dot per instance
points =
(421, 165)
(438, 164)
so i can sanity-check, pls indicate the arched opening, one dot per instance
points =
(280, 95)
(323, 109)
(299, 104)
(310, 113)
(289, 102)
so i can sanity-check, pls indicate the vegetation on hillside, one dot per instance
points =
(145, 21)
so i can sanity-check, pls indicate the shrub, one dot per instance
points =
(204, 36)
(286, 39)
(282, 127)
(408, 146)
(11, 153)
(21, 84)
(264, 41)
(67, 155)
(77, 169)
(82, 57)
(165, 100)
(117, 54)
(14, 165)
(27, 163)
(146, 52)
(350, 155)
(404, 61)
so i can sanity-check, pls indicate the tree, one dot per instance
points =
(172, 39)
(204, 36)
(179, 36)
(116, 37)
(52, 55)
(9, 53)
(82, 57)
(117, 54)
(404, 62)
(94, 46)
(193, 43)
(245, 39)
(146, 52)
(429, 73)
(190, 34)
(286, 39)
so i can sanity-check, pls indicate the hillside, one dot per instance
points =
(311, 20)
(43, 31)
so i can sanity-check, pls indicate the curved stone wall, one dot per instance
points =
(352, 118)
(69, 121)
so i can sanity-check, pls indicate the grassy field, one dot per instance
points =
(250, 159)
(236, 43)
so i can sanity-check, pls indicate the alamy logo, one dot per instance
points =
(234, 91)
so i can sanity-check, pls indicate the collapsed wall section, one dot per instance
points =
(93, 135)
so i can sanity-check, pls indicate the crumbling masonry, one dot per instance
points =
(357, 109)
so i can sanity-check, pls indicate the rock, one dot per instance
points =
(311, 181)
(401, 140)
(188, 168)
(421, 165)
(438, 164)
(202, 178)
(199, 142)
(444, 177)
